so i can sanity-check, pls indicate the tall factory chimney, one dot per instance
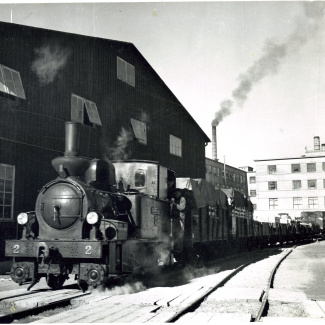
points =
(214, 143)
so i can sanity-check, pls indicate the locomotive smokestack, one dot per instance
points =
(71, 138)
(214, 143)
(71, 164)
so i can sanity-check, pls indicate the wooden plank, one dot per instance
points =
(12, 293)
(187, 317)
(88, 300)
(162, 317)
(78, 313)
(53, 299)
(34, 300)
(107, 315)
(197, 317)
(132, 317)
(313, 308)
(321, 304)
(132, 311)
(193, 298)
(235, 317)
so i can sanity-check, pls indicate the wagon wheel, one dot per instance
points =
(55, 281)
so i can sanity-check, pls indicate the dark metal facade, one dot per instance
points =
(54, 65)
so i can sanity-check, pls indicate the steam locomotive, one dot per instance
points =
(100, 220)
(83, 224)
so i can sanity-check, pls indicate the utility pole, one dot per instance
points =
(224, 170)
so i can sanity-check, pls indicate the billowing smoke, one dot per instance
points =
(274, 53)
(125, 289)
(49, 60)
(119, 151)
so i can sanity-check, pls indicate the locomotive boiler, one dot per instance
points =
(96, 221)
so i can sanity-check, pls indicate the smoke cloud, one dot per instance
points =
(274, 54)
(119, 152)
(125, 289)
(49, 60)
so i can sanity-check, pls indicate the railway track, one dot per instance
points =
(156, 304)
(244, 297)
(233, 293)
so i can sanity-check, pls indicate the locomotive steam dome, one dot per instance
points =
(60, 205)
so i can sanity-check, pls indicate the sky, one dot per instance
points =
(255, 69)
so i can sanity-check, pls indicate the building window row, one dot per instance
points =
(296, 168)
(296, 184)
(218, 172)
(297, 203)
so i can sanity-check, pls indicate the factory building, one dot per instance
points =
(293, 185)
(125, 109)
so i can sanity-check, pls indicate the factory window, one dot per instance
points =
(297, 202)
(272, 186)
(10, 82)
(312, 183)
(295, 168)
(273, 204)
(252, 193)
(252, 180)
(271, 169)
(254, 206)
(215, 170)
(313, 202)
(7, 182)
(84, 111)
(140, 130)
(175, 147)
(311, 167)
(296, 185)
(125, 72)
(323, 166)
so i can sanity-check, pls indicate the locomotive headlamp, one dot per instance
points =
(22, 218)
(92, 218)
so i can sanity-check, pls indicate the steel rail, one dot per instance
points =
(197, 301)
(269, 285)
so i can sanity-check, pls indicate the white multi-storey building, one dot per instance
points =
(289, 185)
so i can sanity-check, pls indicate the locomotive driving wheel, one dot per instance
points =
(55, 281)
(20, 273)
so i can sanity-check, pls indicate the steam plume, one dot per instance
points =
(274, 54)
(48, 62)
(119, 150)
